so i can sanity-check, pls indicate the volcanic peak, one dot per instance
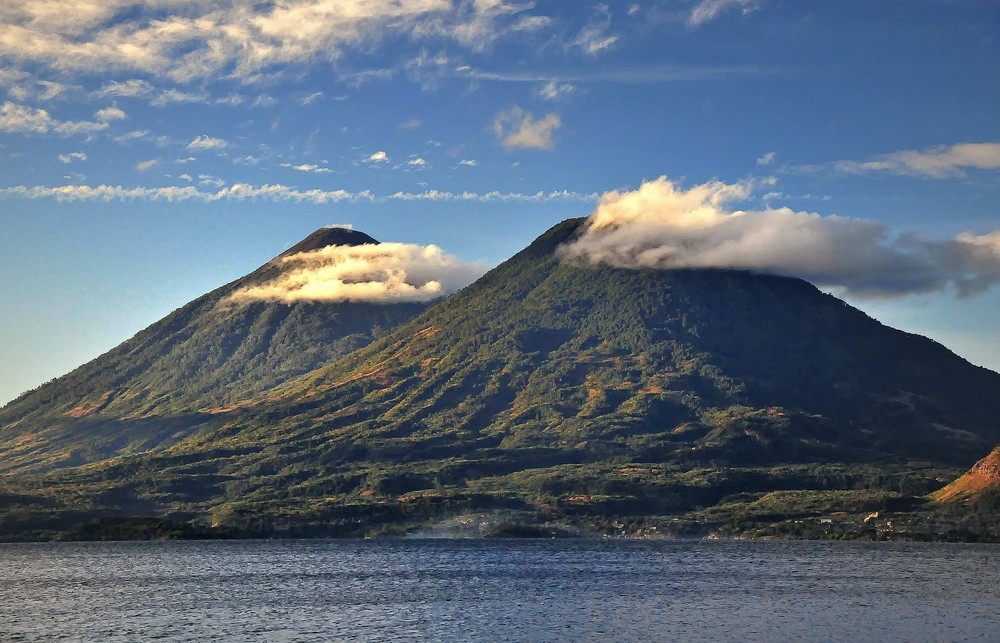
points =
(329, 237)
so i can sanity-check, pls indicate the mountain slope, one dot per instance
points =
(571, 390)
(547, 354)
(180, 372)
(983, 476)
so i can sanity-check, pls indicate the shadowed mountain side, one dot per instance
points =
(203, 358)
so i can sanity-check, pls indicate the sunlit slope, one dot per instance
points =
(982, 477)
(184, 370)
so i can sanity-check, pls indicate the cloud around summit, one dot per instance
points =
(379, 273)
(662, 225)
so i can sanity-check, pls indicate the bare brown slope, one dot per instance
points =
(983, 475)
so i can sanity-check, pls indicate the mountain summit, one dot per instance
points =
(330, 236)
(555, 388)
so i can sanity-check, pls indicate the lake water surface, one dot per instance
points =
(512, 590)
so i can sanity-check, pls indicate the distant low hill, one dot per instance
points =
(554, 392)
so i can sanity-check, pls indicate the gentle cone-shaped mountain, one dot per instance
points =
(568, 390)
(182, 371)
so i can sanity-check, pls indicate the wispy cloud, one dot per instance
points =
(377, 157)
(126, 88)
(708, 10)
(72, 156)
(249, 159)
(205, 142)
(133, 135)
(197, 39)
(212, 181)
(661, 225)
(43, 90)
(468, 162)
(172, 96)
(142, 166)
(17, 118)
(594, 38)
(936, 162)
(109, 114)
(517, 128)
(308, 167)
(273, 192)
(767, 159)
(160, 97)
(310, 98)
(554, 90)
(631, 75)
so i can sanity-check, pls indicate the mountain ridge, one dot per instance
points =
(568, 391)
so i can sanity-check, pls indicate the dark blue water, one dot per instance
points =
(579, 590)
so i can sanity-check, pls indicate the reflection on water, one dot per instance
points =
(497, 590)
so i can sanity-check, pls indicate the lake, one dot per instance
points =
(514, 590)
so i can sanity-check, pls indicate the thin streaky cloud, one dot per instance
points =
(936, 162)
(708, 10)
(272, 192)
(306, 167)
(624, 76)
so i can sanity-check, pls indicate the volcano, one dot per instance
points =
(181, 372)
(558, 389)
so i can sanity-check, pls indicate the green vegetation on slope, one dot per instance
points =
(179, 374)
(676, 399)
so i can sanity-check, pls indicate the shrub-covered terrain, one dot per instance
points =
(571, 397)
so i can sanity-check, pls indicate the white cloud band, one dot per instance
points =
(271, 192)
(380, 273)
(663, 226)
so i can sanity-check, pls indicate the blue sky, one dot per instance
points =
(151, 151)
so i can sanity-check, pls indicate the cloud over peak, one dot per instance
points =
(661, 225)
(380, 273)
